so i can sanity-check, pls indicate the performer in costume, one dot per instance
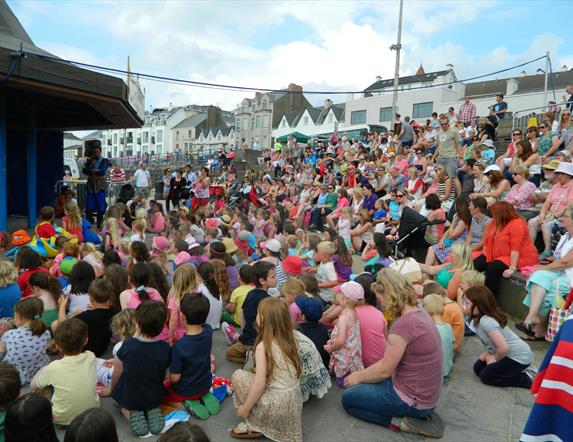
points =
(96, 169)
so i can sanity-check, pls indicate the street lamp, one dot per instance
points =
(397, 47)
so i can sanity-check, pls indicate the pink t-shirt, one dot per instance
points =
(418, 376)
(159, 224)
(154, 295)
(372, 327)
(173, 306)
(295, 313)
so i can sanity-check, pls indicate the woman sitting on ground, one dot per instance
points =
(384, 393)
(547, 283)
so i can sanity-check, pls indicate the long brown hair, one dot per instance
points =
(494, 178)
(526, 150)
(482, 298)
(502, 213)
(276, 326)
(31, 309)
(221, 277)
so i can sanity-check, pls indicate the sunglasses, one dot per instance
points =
(399, 196)
(542, 127)
(516, 134)
(444, 124)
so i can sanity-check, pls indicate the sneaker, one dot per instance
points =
(230, 333)
(531, 372)
(429, 426)
(546, 254)
(155, 420)
(137, 423)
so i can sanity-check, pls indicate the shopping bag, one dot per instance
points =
(557, 316)
(410, 268)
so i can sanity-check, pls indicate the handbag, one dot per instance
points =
(557, 315)
(410, 268)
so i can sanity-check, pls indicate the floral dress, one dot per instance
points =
(443, 254)
(348, 358)
(278, 412)
(314, 379)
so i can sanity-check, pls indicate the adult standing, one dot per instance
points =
(176, 186)
(506, 246)
(96, 168)
(166, 179)
(569, 100)
(190, 178)
(201, 187)
(467, 111)
(449, 149)
(142, 180)
(407, 134)
(401, 390)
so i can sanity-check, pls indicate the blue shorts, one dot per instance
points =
(95, 202)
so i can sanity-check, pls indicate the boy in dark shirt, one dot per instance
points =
(139, 371)
(264, 277)
(190, 369)
(316, 331)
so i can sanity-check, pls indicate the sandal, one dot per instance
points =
(155, 420)
(211, 403)
(137, 423)
(242, 431)
(526, 328)
(533, 338)
(429, 426)
(197, 408)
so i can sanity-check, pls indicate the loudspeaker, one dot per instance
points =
(89, 147)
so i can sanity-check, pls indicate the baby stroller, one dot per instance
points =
(411, 233)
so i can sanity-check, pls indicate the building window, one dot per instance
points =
(177, 146)
(189, 134)
(385, 114)
(265, 121)
(159, 136)
(358, 117)
(422, 110)
(186, 145)
(114, 138)
(245, 123)
(305, 121)
(252, 123)
(258, 122)
(145, 137)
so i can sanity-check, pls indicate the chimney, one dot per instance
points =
(512, 85)
(213, 116)
(258, 94)
(327, 103)
(378, 78)
(294, 87)
(564, 68)
(170, 105)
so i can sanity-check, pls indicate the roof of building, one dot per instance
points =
(525, 84)
(193, 121)
(427, 77)
(317, 114)
(71, 136)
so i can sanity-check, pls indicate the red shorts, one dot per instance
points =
(171, 396)
(201, 202)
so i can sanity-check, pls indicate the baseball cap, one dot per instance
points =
(552, 165)
(67, 264)
(311, 308)
(352, 290)
(160, 243)
(292, 265)
(272, 244)
(491, 168)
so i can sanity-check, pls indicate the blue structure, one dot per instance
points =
(40, 97)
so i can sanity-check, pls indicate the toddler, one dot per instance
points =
(290, 290)
(190, 369)
(434, 305)
(345, 346)
(139, 370)
(311, 311)
(25, 346)
(326, 274)
(72, 378)
(453, 313)
(234, 309)
(345, 224)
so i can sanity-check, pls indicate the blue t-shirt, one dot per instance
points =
(191, 357)
(140, 386)
(394, 208)
(64, 282)
(499, 107)
(369, 202)
(9, 296)
(250, 306)
(380, 214)
(488, 156)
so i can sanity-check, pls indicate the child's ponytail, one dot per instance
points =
(139, 278)
(47, 282)
(31, 309)
(206, 271)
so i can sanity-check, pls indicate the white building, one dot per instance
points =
(73, 146)
(211, 140)
(312, 120)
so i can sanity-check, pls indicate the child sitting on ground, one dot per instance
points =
(25, 346)
(77, 292)
(452, 315)
(233, 311)
(190, 369)
(264, 277)
(470, 278)
(72, 378)
(139, 370)
(307, 251)
(326, 274)
(48, 289)
(434, 305)
(97, 318)
(311, 310)
(345, 346)
(9, 391)
(310, 285)
(44, 228)
(290, 290)
(342, 261)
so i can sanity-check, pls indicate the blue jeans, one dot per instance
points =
(378, 403)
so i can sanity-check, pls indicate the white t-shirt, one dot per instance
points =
(326, 273)
(77, 301)
(215, 308)
(142, 178)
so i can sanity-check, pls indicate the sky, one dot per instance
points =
(331, 45)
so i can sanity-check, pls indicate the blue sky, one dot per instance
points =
(335, 45)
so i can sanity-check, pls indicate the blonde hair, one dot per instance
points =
(140, 213)
(88, 248)
(347, 213)
(397, 289)
(123, 324)
(276, 329)
(326, 247)
(522, 170)
(292, 288)
(465, 254)
(433, 304)
(473, 278)
(357, 193)
(73, 212)
(8, 273)
(112, 226)
(139, 225)
(184, 281)
(292, 241)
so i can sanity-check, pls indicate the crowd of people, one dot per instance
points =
(301, 266)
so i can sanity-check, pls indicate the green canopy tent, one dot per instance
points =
(300, 138)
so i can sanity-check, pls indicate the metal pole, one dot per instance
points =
(546, 77)
(3, 169)
(398, 46)
(32, 147)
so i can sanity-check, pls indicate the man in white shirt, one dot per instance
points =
(142, 180)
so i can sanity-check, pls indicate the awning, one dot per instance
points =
(300, 138)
